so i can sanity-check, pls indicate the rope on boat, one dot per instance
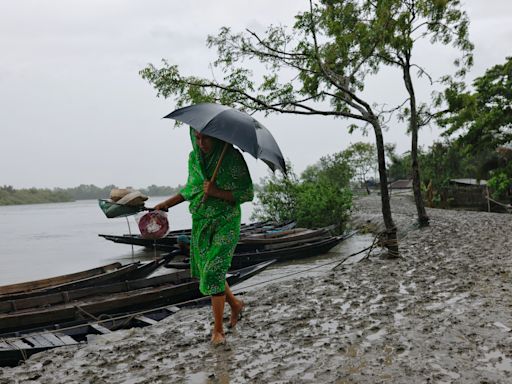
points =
(80, 309)
(23, 352)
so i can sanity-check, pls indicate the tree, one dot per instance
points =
(444, 161)
(362, 158)
(482, 119)
(402, 23)
(316, 68)
(399, 165)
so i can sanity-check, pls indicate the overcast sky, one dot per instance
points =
(74, 110)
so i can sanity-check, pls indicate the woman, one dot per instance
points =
(215, 222)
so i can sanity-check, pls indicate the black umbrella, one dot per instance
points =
(234, 127)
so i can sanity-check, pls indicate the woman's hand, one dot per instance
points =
(161, 207)
(211, 190)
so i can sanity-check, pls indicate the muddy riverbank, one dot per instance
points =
(439, 314)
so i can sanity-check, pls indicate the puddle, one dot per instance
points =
(398, 318)
(496, 360)
(502, 326)
(452, 375)
(197, 378)
(377, 335)
(449, 303)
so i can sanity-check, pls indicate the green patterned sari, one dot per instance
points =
(215, 223)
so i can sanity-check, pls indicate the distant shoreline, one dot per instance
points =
(12, 196)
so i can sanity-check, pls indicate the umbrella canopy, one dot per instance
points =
(235, 127)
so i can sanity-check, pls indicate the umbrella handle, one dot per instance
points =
(216, 171)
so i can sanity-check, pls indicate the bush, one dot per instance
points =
(500, 185)
(319, 198)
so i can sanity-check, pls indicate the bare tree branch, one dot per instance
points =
(278, 107)
(276, 51)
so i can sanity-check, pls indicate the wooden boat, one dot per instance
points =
(16, 346)
(282, 236)
(130, 271)
(171, 238)
(292, 251)
(43, 283)
(97, 300)
(269, 240)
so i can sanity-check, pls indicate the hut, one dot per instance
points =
(465, 193)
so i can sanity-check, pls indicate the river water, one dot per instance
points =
(43, 240)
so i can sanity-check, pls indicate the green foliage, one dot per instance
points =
(156, 190)
(500, 183)
(399, 166)
(445, 161)
(482, 119)
(319, 198)
(442, 162)
(362, 160)
(277, 197)
(323, 59)
(11, 196)
(322, 203)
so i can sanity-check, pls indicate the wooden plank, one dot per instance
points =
(101, 329)
(146, 320)
(38, 341)
(52, 339)
(68, 340)
(18, 344)
(5, 346)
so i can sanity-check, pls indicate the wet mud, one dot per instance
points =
(441, 313)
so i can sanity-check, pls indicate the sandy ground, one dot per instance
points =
(439, 314)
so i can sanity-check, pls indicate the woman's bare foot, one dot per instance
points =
(218, 338)
(236, 313)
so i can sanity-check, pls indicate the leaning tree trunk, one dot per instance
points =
(423, 219)
(391, 240)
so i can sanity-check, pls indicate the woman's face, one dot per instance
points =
(204, 142)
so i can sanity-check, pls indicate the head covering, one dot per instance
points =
(233, 176)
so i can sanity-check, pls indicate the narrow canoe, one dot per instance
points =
(14, 347)
(107, 299)
(127, 272)
(295, 250)
(171, 238)
(42, 283)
